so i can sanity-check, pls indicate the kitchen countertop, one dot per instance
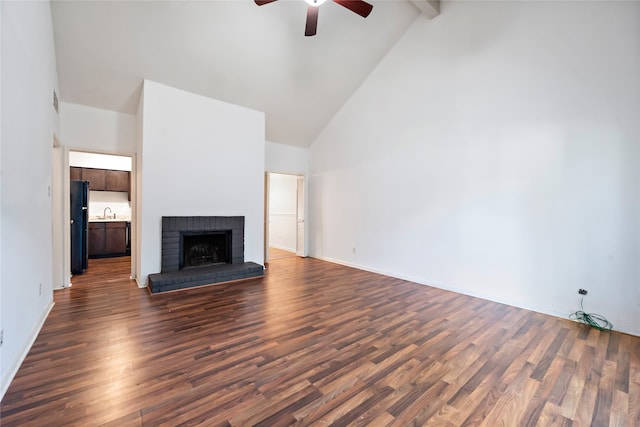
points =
(117, 219)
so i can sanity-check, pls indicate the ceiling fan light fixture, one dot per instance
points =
(314, 3)
(359, 7)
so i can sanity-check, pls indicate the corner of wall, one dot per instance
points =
(8, 375)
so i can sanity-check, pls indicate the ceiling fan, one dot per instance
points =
(360, 7)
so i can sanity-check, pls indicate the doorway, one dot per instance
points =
(108, 213)
(284, 216)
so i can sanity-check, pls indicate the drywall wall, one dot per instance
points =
(282, 211)
(88, 130)
(117, 202)
(99, 161)
(494, 151)
(3, 386)
(92, 129)
(28, 129)
(59, 204)
(136, 192)
(199, 157)
(281, 158)
(287, 159)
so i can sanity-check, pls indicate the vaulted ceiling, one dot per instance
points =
(232, 50)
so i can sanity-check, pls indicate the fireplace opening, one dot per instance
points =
(203, 248)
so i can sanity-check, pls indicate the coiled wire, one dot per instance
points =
(594, 320)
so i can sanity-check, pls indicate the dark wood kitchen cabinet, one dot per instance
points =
(117, 180)
(75, 173)
(107, 239)
(97, 238)
(97, 178)
(102, 179)
(116, 238)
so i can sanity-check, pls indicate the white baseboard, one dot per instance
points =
(140, 285)
(624, 328)
(8, 376)
(283, 248)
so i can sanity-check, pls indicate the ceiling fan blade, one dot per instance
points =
(312, 21)
(263, 2)
(360, 7)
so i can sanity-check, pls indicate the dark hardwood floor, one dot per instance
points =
(313, 343)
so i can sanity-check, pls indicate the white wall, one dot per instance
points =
(3, 386)
(495, 151)
(116, 201)
(287, 159)
(281, 158)
(59, 204)
(99, 161)
(199, 156)
(91, 129)
(29, 123)
(282, 211)
(136, 195)
(88, 130)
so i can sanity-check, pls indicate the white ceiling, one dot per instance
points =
(232, 50)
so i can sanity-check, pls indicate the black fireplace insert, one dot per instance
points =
(204, 248)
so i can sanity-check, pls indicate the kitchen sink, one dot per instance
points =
(103, 219)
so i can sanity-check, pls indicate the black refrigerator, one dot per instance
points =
(79, 226)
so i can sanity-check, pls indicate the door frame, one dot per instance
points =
(66, 214)
(301, 212)
(267, 189)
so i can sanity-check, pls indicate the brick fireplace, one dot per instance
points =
(199, 250)
(174, 228)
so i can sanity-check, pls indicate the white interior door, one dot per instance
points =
(300, 217)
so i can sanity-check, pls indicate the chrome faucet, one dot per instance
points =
(104, 214)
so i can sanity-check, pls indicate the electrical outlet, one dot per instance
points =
(353, 250)
(40, 289)
(582, 291)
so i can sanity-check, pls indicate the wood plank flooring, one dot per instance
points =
(275, 253)
(313, 343)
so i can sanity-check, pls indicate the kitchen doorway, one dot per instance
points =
(101, 211)
(284, 216)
